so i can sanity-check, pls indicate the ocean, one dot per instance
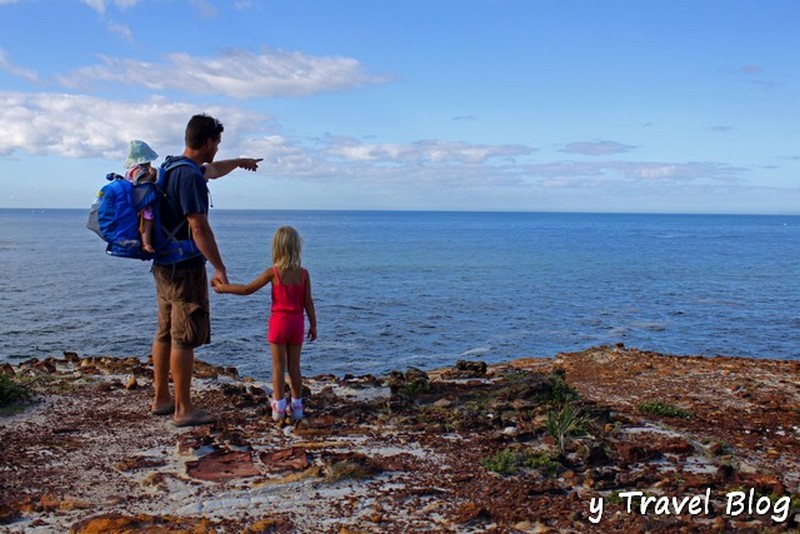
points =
(425, 289)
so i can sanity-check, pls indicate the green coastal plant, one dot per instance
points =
(560, 392)
(418, 387)
(567, 423)
(541, 461)
(11, 392)
(505, 462)
(664, 409)
(511, 460)
(54, 383)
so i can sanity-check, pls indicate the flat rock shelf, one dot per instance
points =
(609, 439)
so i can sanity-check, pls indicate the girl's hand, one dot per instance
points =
(312, 333)
(218, 286)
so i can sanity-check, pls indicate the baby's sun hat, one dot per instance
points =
(139, 152)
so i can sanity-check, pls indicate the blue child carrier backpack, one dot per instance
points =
(114, 216)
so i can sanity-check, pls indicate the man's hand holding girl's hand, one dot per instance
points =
(218, 285)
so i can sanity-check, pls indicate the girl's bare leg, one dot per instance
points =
(295, 378)
(278, 370)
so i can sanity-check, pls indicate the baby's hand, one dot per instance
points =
(217, 285)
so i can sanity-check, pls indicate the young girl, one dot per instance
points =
(291, 294)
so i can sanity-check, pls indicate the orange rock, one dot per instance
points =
(470, 511)
(49, 503)
(294, 459)
(270, 525)
(107, 523)
(73, 504)
(221, 466)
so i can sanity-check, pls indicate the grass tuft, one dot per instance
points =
(567, 424)
(560, 392)
(11, 392)
(511, 460)
(663, 409)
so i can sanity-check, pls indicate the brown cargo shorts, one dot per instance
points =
(183, 307)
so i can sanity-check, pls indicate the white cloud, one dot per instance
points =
(597, 148)
(77, 126)
(8, 66)
(116, 28)
(122, 30)
(204, 7)
(100, 5)
(423, 164)
(97, 5)
(424, 151)
(681, 172)
(238, 74)
(579, 174)
(86, 127)
(657, 171)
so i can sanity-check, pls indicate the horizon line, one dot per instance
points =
(443, 210)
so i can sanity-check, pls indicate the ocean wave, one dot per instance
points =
(477, 351)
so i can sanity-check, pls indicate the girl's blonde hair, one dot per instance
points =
(286, 248)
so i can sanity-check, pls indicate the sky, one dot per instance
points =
(679, 106)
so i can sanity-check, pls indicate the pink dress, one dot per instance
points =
(287, 320)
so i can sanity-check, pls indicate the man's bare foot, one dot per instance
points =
(163, 409)
(198, 417)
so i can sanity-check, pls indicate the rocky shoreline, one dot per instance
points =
(610, 439)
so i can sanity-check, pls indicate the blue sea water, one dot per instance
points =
(425, 289)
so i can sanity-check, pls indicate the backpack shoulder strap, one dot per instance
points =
(165, 168)
(178, 250)
(163, 172)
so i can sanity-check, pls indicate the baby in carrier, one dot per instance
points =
(140, 170)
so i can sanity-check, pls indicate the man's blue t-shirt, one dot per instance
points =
(187, 193)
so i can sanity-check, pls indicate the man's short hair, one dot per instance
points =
(201, 129)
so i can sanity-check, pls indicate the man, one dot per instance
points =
(180, 275)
